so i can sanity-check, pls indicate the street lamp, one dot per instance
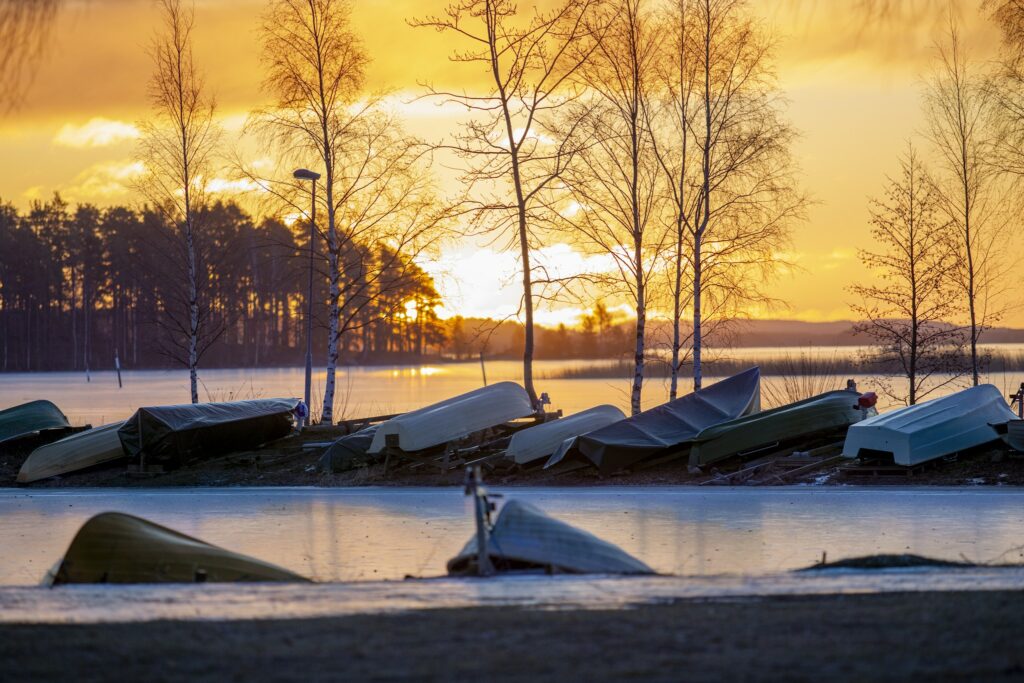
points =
(306, 174)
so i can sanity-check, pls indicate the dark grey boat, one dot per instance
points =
(670, 426)
(31, 418)
(172, 435)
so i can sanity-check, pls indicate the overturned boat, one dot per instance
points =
(454, 418)
(931, 430)
(71, 454)
(113, 547)
(669, 427)
(525, 539)
(171, 435)
(829, 413)
(349, 452)
(537, 443)
(30, 419)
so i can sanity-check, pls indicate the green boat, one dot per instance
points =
(113, 547)
(833, 411)
(31, 418)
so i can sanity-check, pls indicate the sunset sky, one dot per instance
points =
(854, 94)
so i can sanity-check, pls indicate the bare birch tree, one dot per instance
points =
(515, 159)
(960, 118)
(907, 304)
(176, 148)
(615, 177)
(747, 196)
(377, 189)
(675, 151)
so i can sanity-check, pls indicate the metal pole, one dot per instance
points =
(309, 308)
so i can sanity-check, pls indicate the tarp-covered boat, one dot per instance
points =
(73, 453)
(349, 452)
(455, 417)
(117, 548)
(828, 412)
(933, 429)
(171, 435)
(525, 538)
(29, 419)
(671, 426)
(538, 442)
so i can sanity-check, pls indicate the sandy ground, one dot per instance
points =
(922, 636)
(286, 463)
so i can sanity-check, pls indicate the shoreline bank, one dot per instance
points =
(906, 636)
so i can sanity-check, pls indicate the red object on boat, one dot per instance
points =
(867, 400)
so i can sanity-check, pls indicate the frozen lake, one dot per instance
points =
(362, 534)
(730, 542)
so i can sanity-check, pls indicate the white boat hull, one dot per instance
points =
(455, 418)
(541, 441)
(933, 429)
(76, 452)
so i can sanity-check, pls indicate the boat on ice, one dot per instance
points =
(171, 435)
(113, 547)
(73, 453)
(29, 419)
(536, 443)
(454, 418)
(525, 539)
(669, 427)
(932, 429)
(831, 412)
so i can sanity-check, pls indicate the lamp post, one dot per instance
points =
(306, 174)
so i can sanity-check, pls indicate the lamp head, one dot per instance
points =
(305, 174)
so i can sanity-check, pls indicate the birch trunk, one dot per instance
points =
(333, 300)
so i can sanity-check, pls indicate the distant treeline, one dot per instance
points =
(78, 285)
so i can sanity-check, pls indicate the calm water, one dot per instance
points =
(362, 391)
(368, 533)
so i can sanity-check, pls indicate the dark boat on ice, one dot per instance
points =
(113, 547)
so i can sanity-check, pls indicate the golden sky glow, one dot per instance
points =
(854, 94)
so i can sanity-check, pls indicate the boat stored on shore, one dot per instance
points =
(454, 418)
(670, 426)
(73, 453)
(171, 435)
(537, 443)
(933, 429)
(29, 419)
(833, 411)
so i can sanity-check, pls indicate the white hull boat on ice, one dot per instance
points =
(933, 429)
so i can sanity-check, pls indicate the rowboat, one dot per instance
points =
(454, 418)
(932, 429)
(171, 435)
(73, 453)
(524, 538)
(536, 443)
(30, 418)
(113, 547)
(670, 427)
(833, 411)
